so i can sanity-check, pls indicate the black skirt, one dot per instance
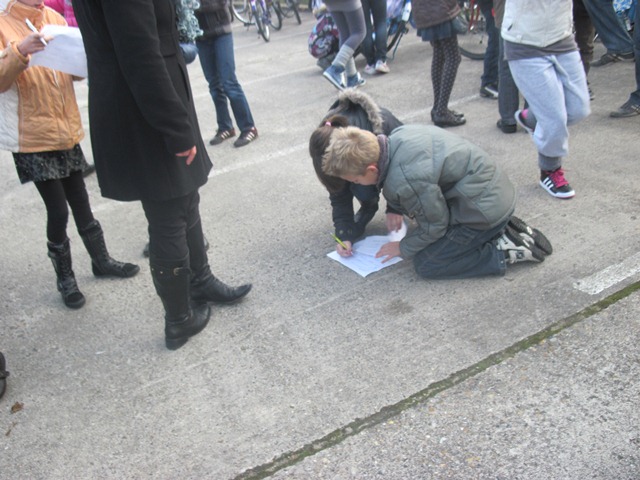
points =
(41, 166)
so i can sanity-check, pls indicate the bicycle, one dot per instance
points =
(289, 9)
(261, 13)
(398, 20)
(472, 43)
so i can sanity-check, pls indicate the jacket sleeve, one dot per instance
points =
(342, 213)
(12, 64)
(133, 28)
(430, 211)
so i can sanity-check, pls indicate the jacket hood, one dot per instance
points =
(358, 97)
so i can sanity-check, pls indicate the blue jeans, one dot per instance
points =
(463, 252)
(555, 87)
(375, 50)
(219, 67)
(490, 72)
(609, 26)
(508, 94)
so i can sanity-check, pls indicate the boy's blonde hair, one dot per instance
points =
(350, 151)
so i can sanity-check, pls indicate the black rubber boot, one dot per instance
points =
(3, 375)
(101, 263)
(60, 255)
(205, 287)
(182, 320)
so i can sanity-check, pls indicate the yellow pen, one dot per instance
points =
(340, 242)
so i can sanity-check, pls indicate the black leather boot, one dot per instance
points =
(101, 263)
(182, 319)
(205, 287)
(60, 255)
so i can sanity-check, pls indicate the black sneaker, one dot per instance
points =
(489, 91)
(516, 249)
(221, 136)
(555, 184)
(246, 137)
(627, 109)
(531, 235)
(608, 58)
(522, 120)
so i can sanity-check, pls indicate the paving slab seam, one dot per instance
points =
(360, 424)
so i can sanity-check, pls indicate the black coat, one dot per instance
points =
(141, 111)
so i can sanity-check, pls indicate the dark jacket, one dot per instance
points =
(427, 13)
(364, 113)
(141, 111)
(214, 17)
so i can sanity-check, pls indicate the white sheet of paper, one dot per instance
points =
(65, 51)
(363, 260)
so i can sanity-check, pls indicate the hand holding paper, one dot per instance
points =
(64, 52)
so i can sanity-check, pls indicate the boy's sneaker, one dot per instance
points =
(246, 137)
(370, 69)
(507, 127)
(489, 91)
(555, 183)
(355, 81)
(516, 249)
(521, 119)
(335, 77)
(530, 234)
(221, 136)
(382, 67)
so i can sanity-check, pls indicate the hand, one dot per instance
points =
(389, 251)
(32, 43)
(344, 252)
(393, 221)
(190, 154)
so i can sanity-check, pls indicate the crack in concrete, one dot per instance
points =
(359, 424)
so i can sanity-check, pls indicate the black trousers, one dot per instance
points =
(175, 230)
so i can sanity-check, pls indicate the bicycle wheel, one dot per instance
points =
(275, 14)
(290, 9)
(260, 16)
(473, 43)
(242, 11)
(396, 29)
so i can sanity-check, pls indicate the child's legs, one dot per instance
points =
(508, 95)
(207, 52)
(462, 253)
(379, 13)
(449, 59)
(55, 202)
(352, 32)
(368, 49)
(539, 82)
(576, 92)
(226, 68)
(76, 193)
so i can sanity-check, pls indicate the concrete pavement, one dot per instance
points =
(320, 373)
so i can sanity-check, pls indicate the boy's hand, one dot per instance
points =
(344, 252)
(389, 251)
(393, 221)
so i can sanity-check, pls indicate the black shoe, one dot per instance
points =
(102, 263)
(206, 288)
(608, 58)
(221, 136)
(448, 120)
(507, 127)
(530, 234)
(60, 255)
(3, 375)
(627, 109)
(246, 137)
(517, 249)
(489, 91)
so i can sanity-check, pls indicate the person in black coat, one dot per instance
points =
(147, 147)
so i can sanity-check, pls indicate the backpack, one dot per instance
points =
(324, 38)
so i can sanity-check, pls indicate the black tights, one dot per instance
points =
(444, 68)
(56, 194)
